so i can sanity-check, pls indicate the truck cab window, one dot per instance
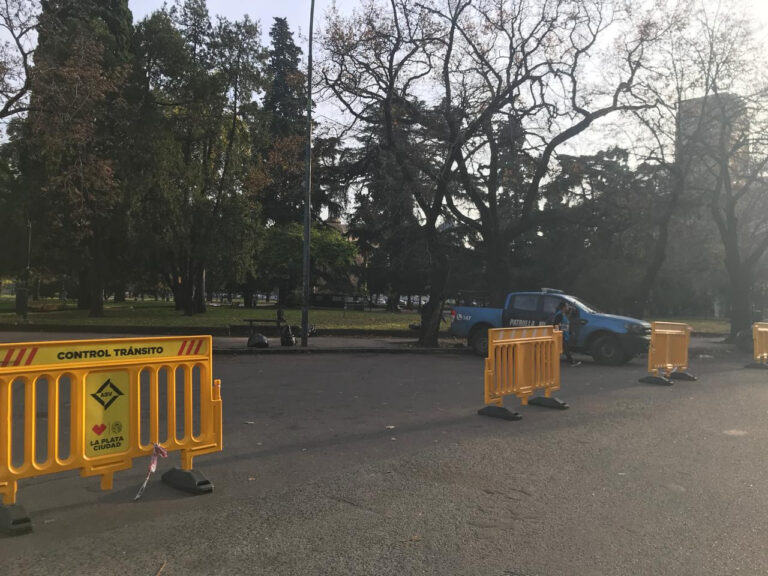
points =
(549, 307)
(523, 311)
(525, 303)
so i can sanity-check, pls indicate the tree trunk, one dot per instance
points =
(636, 305)
(741, 300)
(393, 301)
(249, 298)
(496, 273)
(83, 291)
(199, 293)
(431, 312)
(96, 289)
(187, 295)
(175, 286)
(282, 295)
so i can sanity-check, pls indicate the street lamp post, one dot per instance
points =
(308, 182)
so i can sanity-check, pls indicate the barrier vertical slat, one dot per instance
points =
(206, 404)
(5, 422)
(519, 373)
(77, 422)
(188, 412)
(171, 408)
(8, 489)
(509, 383)
(499, 361)
(135, 403)
(29, 422)
(53, 421)
(154, 406)
(505, 374)
(76, 418)
(558, 349)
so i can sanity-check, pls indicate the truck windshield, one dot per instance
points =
(586, 307)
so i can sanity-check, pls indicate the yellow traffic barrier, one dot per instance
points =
(760, 340)
(520, 361)
(668, 353)
(95, 405)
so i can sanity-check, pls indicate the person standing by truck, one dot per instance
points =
(563, 323)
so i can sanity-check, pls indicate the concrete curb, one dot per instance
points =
(693, 353)
(336, 350)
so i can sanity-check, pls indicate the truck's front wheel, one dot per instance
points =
(478, 340)
(607, 350)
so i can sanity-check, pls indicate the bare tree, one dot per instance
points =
(18, 22)
(518, 82)
(490, 90)
(710, 132)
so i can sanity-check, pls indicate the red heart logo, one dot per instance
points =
(99, 428)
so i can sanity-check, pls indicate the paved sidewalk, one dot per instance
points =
(238, 344)
(701, 346)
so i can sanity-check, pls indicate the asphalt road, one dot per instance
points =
(379, 465)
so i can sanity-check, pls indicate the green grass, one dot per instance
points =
(702, 325)
(151, 313)
(163, 314)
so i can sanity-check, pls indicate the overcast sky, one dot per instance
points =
(297, 12)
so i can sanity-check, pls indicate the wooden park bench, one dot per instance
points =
(278, 322)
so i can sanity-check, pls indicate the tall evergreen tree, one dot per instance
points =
(280, 127)
(198, 195)
(77, 131)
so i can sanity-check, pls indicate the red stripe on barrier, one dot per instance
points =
(31, 356)
(20, 356)
(7, 357)
(197, 348)
(181, 350)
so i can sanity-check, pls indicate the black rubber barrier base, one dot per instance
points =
(548, 402)
(682, 376)
(656, 380)
(190, 481)
(499, 412)
(14, 521)
(757, 366)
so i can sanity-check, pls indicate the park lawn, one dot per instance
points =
(702, 325)
(163, 314)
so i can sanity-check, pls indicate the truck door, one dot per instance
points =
(523, 310)
(548, 308)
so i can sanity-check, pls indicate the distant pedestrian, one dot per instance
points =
(563, 323)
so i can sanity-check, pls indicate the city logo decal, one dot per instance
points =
(107, 394)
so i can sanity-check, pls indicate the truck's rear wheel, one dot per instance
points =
(478, 340)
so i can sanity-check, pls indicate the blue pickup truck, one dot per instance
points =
(609, 339)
